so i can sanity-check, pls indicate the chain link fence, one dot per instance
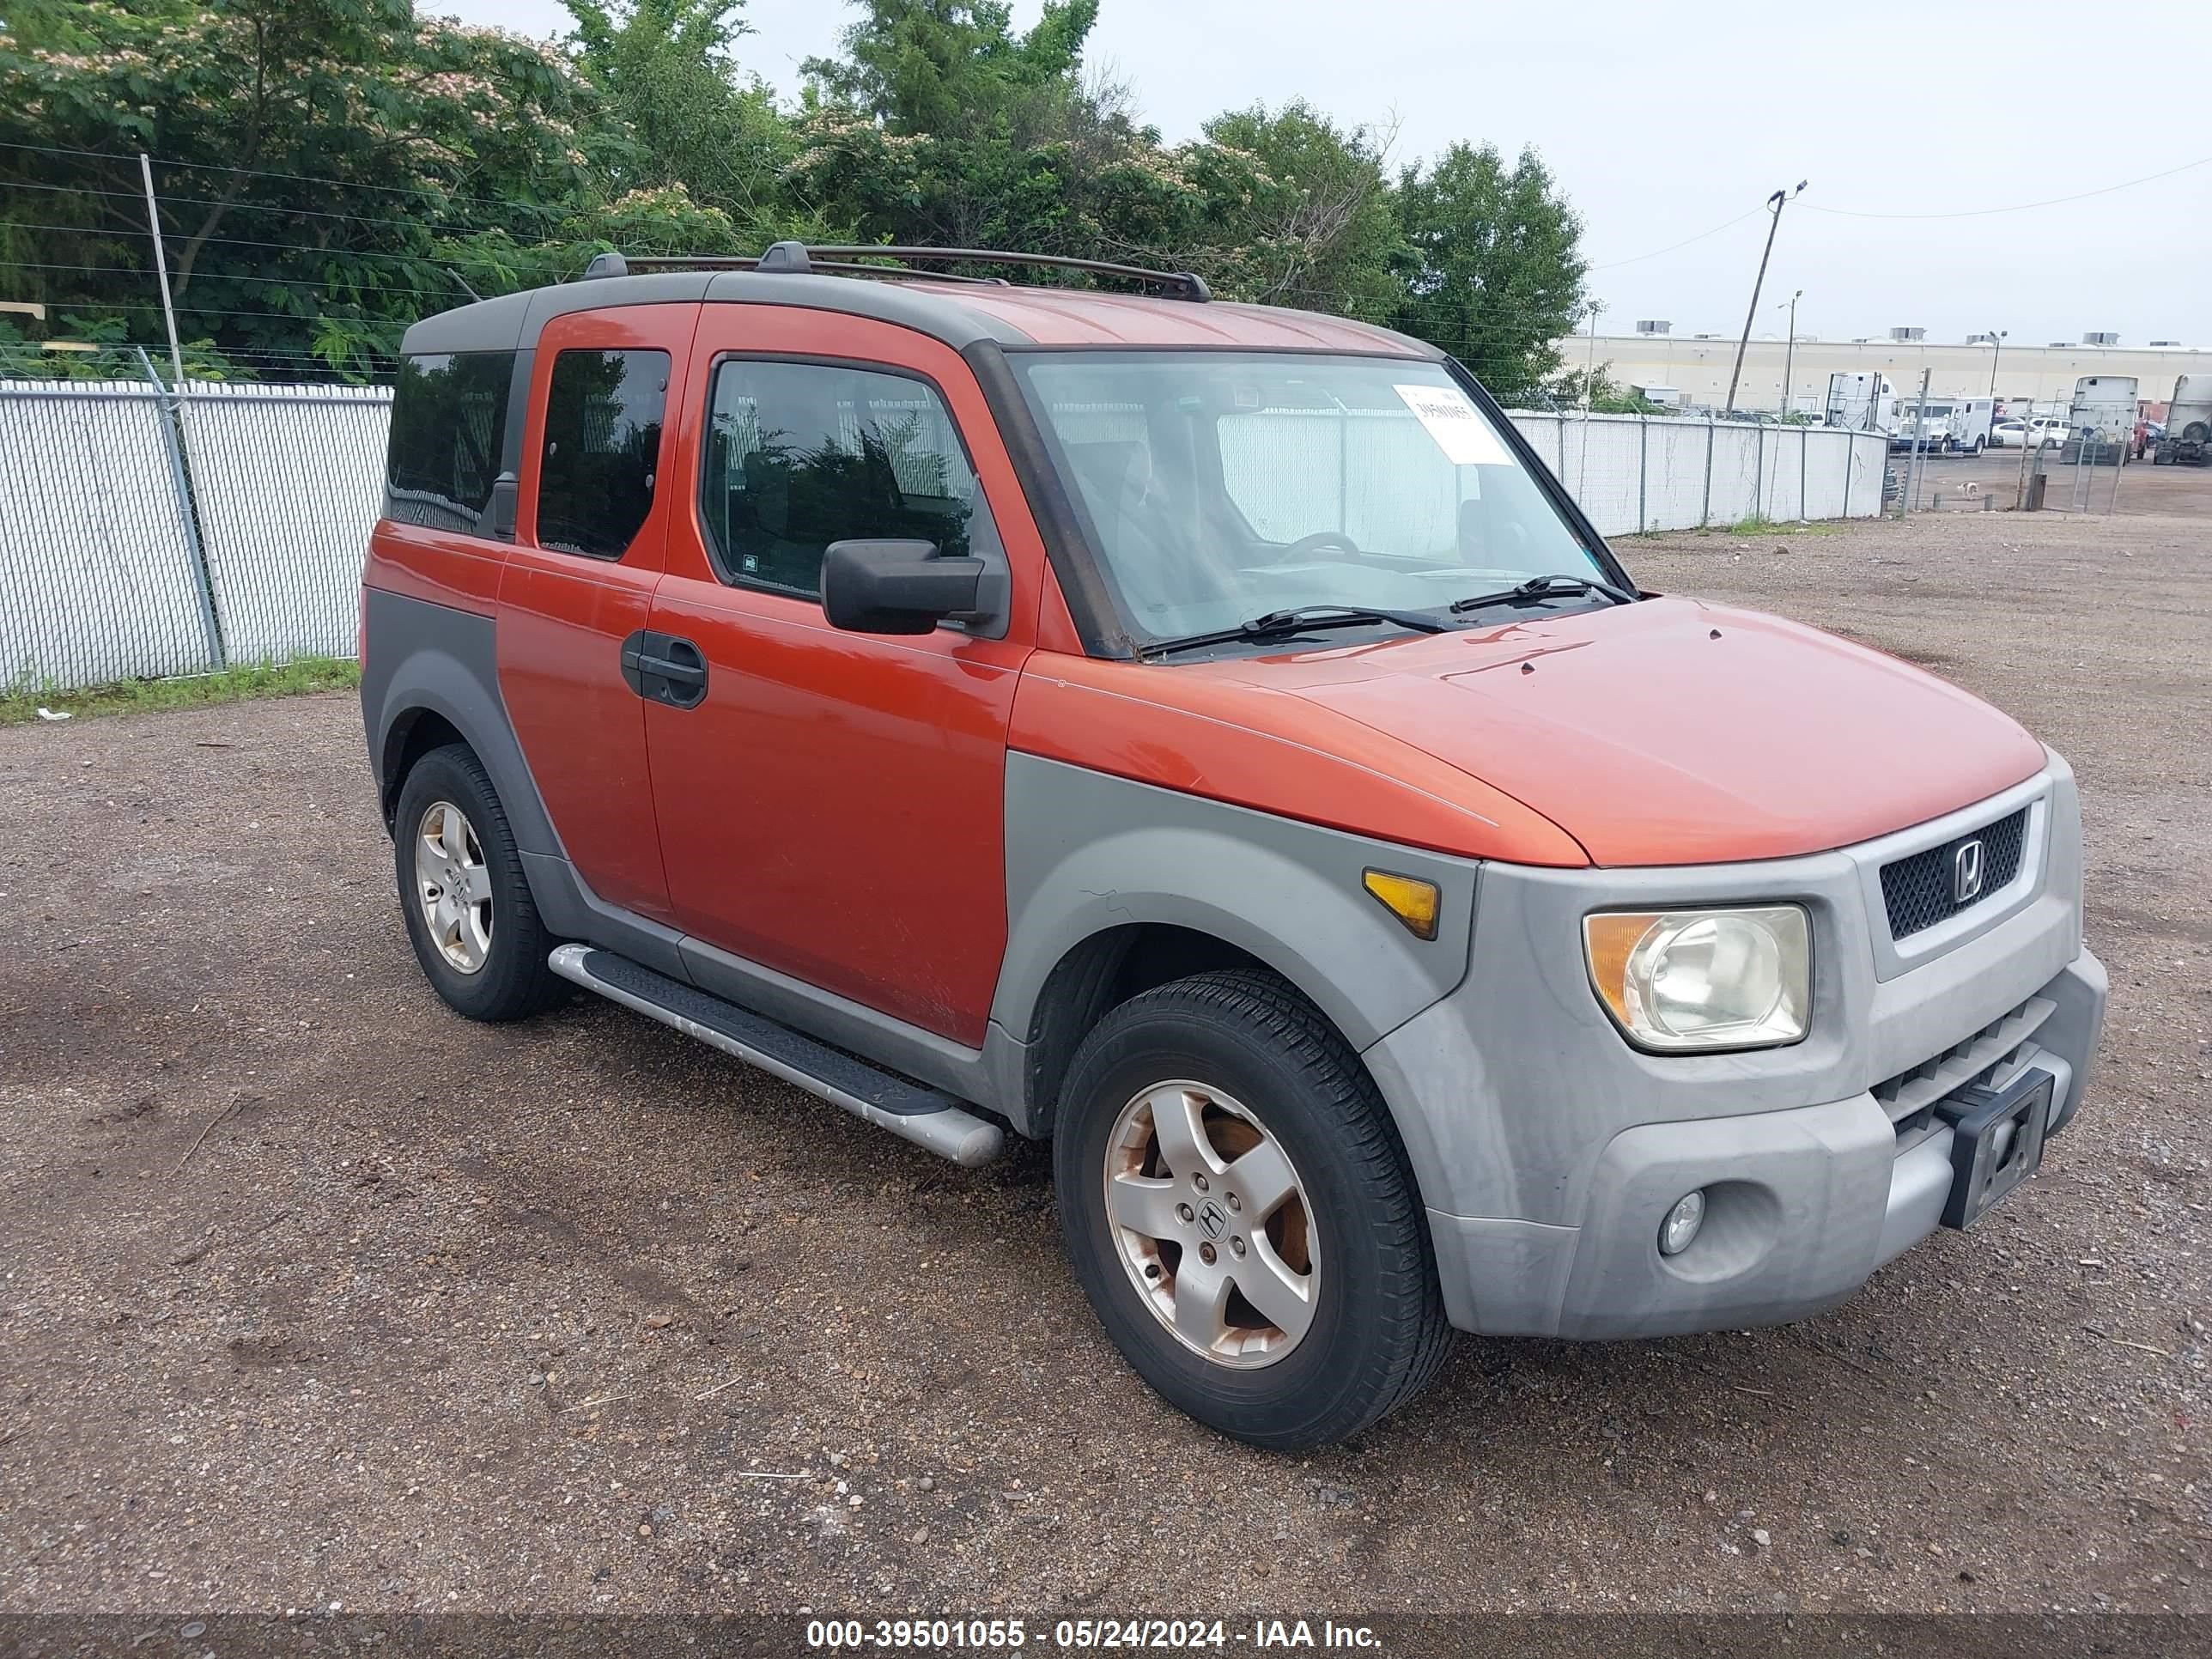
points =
(147, 533)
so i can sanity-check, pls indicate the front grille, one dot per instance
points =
(1975, 1057)
(1919, 891)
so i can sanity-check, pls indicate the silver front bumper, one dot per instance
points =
(1548, 1150)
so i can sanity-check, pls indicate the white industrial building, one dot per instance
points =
(1696, 366)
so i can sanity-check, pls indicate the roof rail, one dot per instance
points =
(798, 259)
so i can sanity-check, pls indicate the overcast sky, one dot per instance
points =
(1661, 122)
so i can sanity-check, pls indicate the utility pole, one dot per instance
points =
(162, 267)
(1996, 348)
(1590, 369)
(1775, 203)
(1790, 352)
(1910, 498)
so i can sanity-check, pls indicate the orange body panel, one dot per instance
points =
(1205, 731)
(835, 809)
(563, 619)
(436, 565)
(1670, 732)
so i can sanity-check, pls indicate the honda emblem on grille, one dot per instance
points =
(1966, 871)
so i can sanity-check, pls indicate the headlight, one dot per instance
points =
(1677, 980)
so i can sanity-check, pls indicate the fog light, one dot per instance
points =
(1679, 1229)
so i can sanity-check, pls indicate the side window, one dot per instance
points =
(800, 455)
(602, 450)
(448, 423)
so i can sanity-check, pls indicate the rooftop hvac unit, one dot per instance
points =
(2100, 339)
(1654, 327)
(1981, 339)
(2165, 343)
(1908, 334)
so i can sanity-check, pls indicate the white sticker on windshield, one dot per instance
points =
(1456, 425)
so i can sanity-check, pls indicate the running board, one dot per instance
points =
(930, 1119)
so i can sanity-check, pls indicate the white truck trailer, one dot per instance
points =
(1861, 403)
(2187, 441)
(2101, 424)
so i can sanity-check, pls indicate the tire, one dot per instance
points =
(501, 929)
(1374, 1332)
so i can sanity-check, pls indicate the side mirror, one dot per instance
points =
(498, 521)
(896, 586)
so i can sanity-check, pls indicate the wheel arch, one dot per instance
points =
(1113, 886)
(432, 677)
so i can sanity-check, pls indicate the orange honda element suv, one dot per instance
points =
(1205, 736)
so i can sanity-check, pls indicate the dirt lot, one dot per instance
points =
(1957, 483)
(315, 1293)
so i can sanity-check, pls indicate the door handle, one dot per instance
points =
(663, 669)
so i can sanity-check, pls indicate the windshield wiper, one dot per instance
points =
(1540, 588)
(1279, 624)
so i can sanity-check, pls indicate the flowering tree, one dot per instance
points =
(330, 169)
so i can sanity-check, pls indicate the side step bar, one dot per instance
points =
(930, 1119)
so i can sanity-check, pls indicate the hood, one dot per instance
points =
(1675, 732)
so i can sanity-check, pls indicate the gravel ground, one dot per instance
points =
(316, 1293)
(1957, 483)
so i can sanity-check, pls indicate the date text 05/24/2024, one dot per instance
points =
(953, 1634)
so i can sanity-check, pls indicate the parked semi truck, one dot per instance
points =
(2101, 423)
(1862, 403)
(2187, 441)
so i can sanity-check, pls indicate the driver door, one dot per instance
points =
(832, 806)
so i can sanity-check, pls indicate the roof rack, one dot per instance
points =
(799, 258)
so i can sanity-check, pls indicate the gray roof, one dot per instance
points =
(512, 322)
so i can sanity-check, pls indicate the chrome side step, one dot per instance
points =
(930, 1119)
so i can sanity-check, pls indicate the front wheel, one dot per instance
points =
(1238, 1209)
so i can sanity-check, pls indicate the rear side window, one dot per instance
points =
(601, 454)
(448, 432)
(800, 455)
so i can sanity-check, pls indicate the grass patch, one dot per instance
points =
(1759, 524)
(288, 679)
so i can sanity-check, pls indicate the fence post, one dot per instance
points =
(169, 411)
(1643, 467)
(1803, 517)
(1705, 511)
(1850, 455)
(1758, 475)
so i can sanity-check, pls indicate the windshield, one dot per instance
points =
(1221, 486)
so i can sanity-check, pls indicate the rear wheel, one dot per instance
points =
(470, 916)
(1237, 1207)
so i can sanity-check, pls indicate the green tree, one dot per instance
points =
(1496, 266)
(1293, 209)
(681, 114)
(326, 166)
(943, 125)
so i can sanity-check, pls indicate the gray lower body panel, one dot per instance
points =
(1804, 1206)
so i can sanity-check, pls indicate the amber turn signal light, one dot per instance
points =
(1413, 901)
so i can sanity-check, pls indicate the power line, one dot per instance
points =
(1615, 264)
(377, 284)
(426, 225)
(293, 178)
(2019, 207)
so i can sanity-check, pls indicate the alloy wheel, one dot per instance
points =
(453, 886)
(1211, 1221)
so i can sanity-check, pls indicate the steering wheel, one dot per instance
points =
(1308, 545)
